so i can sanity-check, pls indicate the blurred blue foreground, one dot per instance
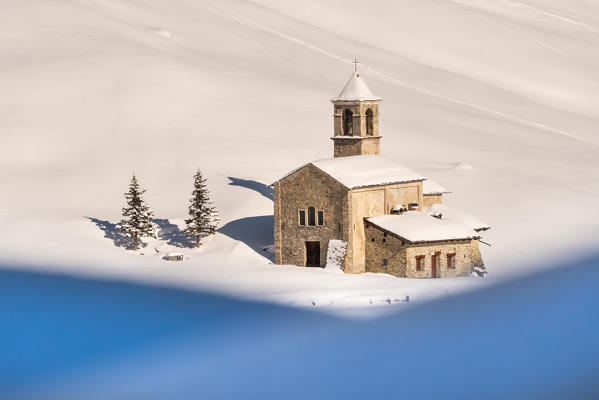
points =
(69, 338)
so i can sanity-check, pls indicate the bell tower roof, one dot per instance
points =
(356, 90)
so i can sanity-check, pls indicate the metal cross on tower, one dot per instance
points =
(356, 62)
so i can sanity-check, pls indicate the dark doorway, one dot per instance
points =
(312, 254)
(434, 263)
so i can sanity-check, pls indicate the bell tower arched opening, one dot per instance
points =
(369, 122)
(348, 123)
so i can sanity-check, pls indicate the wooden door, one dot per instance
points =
(312, 254)
(435, 263)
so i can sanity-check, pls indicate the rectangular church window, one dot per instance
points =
(385, 261)
(321, 218)
(302, 217)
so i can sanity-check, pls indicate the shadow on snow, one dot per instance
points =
(173, 235)
(256, 232)
(256, 186)
(167, 231)
(112, 232)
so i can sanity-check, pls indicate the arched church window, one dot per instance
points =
(369, 122)
(311, 216)
(348, 123)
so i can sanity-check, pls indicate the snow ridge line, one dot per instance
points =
(538, 125)
(502, 114)
(522, 35)
(560, 17)
(554, 15)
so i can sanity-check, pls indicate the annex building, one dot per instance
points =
(381, 216)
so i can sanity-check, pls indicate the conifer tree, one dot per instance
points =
(137, 221)
(203, 216)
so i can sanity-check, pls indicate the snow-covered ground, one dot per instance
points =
(496, 100)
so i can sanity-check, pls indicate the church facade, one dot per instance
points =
(389, 218)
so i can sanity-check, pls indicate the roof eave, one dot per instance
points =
(387, 183)
(416, 241)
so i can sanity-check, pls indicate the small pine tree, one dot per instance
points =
(203, 215)
(137, 221)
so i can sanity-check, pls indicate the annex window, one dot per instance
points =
(419, 263)
(348, 123)
(451, 261)
(302, 217)
(320, 216)
(385, 261)
(369, 122)
(311, 216)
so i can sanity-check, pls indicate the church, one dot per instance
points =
(379, 215)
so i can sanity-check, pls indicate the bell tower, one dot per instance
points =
(356, 119)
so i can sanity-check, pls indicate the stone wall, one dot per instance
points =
(306, 187)
(477, 258)
(346, 147)
(463, 250)
(401, 256)
(381, 246)
(370, 145)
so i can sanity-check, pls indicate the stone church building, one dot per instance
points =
(388, 218)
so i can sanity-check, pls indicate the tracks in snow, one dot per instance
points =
(537, 125)
(522, 35)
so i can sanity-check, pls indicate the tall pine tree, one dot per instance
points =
(203, 217)
(137, 221)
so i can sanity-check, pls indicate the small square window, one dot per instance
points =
(302, 217)
(451, 261)
(372, 239)
(384, 240)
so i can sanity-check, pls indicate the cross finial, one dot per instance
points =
(356, 62)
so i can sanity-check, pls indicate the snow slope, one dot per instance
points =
(496, 100)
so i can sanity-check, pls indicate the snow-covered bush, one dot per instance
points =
(336, 255)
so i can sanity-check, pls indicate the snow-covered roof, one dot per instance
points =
(365, 170)
(431, 187)
(451, 214)
(355, 89)
(415, 226)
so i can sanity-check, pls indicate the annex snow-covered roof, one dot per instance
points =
(415, 226)
(431, 187)
(364, 170)
(355, 89)
(452, 214)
